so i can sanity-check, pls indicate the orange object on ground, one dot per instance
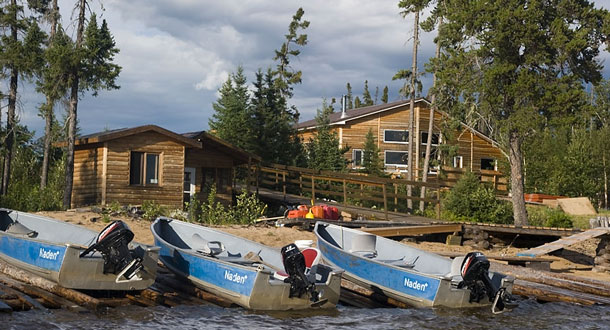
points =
(318, 212)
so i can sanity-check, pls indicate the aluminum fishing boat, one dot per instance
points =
(415, 277)
(76, 257)
(244, 272)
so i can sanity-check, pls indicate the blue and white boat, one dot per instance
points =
(244, 272)
(76, 257)
(415, 277)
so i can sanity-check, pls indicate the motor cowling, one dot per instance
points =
(475, 276)
(113, 243)
(294, 265)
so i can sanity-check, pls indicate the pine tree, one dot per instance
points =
(384, 97)
(350, 102)
(532, 60)
(21, 54)
(357, 103)
(371, 161)
(366, 95)
(91, 69)
(285, 76)
(231, 120)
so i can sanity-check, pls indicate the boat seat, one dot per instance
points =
(401, 262)
(312, 259)
(18, 229)
(364, 245)
(280, 275)
(211, 248)
(456, 272)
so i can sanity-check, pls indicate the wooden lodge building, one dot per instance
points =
(132, 165)
(389, 124)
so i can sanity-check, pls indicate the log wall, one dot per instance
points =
(88, 163)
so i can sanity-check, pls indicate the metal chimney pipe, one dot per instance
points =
(343, 106)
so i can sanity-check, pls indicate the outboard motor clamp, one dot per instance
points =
(475, 276)
(112, 242)
(294, 264)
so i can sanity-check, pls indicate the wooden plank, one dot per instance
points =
(564, 242)
(413, 230)
(50, 299)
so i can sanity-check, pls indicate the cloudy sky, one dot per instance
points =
(176, 54)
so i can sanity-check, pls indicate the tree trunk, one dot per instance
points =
(10, 117)
(605, 180)
(67, 201)
(48, 107)
(411, 109)
(516, 179)
(424, 177)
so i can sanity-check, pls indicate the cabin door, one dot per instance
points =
(189, 184)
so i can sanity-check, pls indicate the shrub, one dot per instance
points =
(248, 208)
(548, 217)
(472, 201)
(151, 210)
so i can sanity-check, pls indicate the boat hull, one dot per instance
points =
(410, 287)
(252, 287)
(61, 262)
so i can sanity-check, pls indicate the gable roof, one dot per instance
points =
(353, 114)
(104, 136)
(208, 139)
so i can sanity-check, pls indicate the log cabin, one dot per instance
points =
(150, 163)
(389, 124)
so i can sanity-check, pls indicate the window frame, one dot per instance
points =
(461, 161)
(396, 130)
(354, 165)
(425, 141)
(385, 157)
(495, 163)
(143, 168)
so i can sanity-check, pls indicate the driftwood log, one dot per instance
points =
(376, 297)
(69, 294)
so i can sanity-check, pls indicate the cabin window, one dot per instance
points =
(489, 164)
(458, 162)
(435, 138)
(217, 177)
(396, 158)
(357, 157)
(144, 169)
(395, 136)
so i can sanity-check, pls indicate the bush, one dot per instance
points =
(151, 210)
(247, 209)
(548, 217)
(472, 201)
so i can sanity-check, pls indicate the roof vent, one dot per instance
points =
(343, 106)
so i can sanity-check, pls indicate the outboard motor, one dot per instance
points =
(475, 275)
(294, 264)
(112, 242)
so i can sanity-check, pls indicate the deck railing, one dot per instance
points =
(348, 189)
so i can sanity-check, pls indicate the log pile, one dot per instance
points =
(22, 291)
(602, 255)
(476, 238)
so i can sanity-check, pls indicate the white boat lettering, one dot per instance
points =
(235, 277)
(48, 254)
(415, 284)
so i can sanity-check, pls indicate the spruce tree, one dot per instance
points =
(366, 95)
(21, 52)
(91, 69)
(231, 120)
(350, 101)
(371, 161)
(384, 97)
(357, 103)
